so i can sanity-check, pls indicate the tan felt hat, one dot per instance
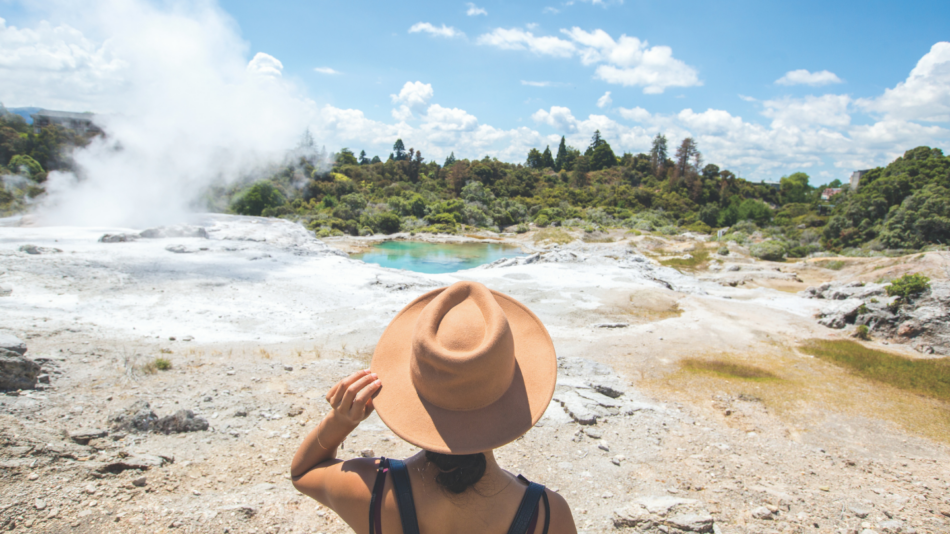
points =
(464, 369)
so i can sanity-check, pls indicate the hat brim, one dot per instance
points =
(435, 429)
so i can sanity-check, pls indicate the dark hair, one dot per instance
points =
(457, 472)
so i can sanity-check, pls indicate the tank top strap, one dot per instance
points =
(376, 499)
(527, 515)
(403, 489)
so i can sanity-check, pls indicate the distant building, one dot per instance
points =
(773, 185)
(830, 192)
(80, 122)
(856, 178)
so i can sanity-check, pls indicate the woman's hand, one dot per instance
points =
(352, 397)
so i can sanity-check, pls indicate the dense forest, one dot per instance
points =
(899, 207)
(669, 190)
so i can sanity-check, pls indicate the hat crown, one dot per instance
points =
(463, 354)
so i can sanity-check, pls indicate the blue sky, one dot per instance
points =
(766, 88)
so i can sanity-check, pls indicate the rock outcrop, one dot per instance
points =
(16, 370)
(923, 321)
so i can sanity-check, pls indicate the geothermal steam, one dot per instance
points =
(189, 111)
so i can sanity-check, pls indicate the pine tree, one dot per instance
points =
(363, 159)
(658, 155)
(561, 158)
(306, 140)
(547, 161)
(449, 161)
(595, 142)
(687, 156)
(399, 150)
(534, 159)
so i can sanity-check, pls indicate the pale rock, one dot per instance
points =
(692, 522)
(632, 516)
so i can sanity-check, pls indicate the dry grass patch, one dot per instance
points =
(726, 369)
(806, 390)
(927, 377)
(834, 265)
(652, 305)
(699, 257)
(597, 237)
(553, 235)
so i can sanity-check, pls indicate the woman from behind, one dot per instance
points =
(459, 372)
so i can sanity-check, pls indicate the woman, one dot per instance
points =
(459, 372)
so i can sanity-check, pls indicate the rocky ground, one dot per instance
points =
(257, 320)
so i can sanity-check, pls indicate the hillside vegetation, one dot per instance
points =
(903, 206)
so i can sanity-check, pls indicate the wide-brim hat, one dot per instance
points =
(464, 369)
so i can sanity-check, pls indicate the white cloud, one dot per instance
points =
(265, 65)
(626, 61)
(326, 70)
(474, 10)
(438, 31)
(414, 96)
(826, 110)
(559, 118)
(632, 62)
(536, 84)
(551, 10)
(448, 119)
(605, 100)
(803, 77)
(636, 114)
(402, 113)
(891, 134)
(57, 67)
(518, 39)
(924, 95)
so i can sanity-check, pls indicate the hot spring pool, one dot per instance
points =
(435, 258)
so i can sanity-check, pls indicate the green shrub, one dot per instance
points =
(699, 227)
(257, 198)
(24, 163)
(542, 220)
(723, 251)
(387, 223)
(446, 219)
(163, 364)
(862, 332)
(907, 286)
(768, 250)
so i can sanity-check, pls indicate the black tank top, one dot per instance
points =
(526, 519)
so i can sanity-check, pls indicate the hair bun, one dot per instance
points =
(458, 472)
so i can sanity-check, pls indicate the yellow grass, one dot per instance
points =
(805, 391)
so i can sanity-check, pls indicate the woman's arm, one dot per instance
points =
(351, 400)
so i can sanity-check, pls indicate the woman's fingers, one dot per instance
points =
(352, 391)
(362, 403)
(339, 390)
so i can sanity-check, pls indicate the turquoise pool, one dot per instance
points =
(435, 258)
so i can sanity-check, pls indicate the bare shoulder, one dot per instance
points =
(562, 521)
(337, 482)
